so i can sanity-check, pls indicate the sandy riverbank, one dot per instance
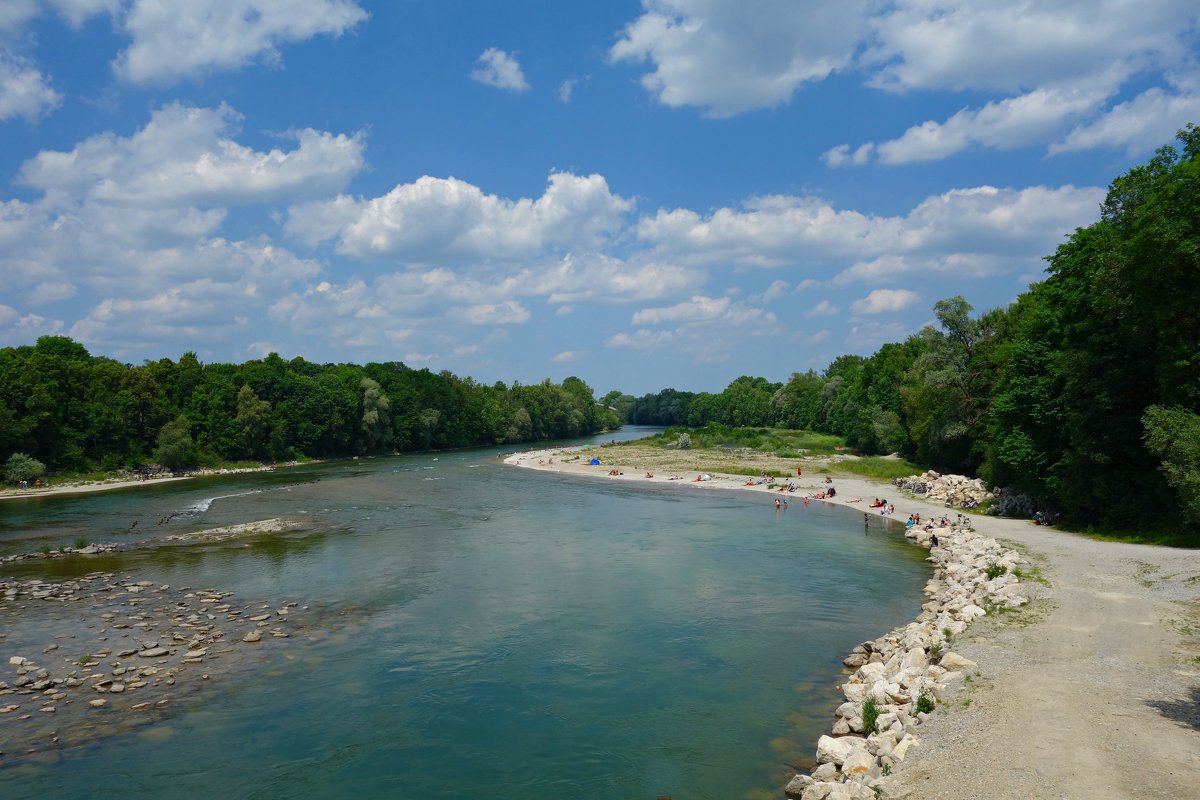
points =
(115, 484)
(1092, 691)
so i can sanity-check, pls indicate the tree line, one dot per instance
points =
(1083, 393)
(72, 411)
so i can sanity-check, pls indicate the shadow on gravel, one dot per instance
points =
(1185, 712)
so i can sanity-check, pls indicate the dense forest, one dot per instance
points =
(72, 411)
(1083, 393)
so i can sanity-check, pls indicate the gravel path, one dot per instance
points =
(1094, 691)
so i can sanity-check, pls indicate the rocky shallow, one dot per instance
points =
(900, 678)
(101, 654)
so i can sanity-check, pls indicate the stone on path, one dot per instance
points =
(253, 636)
(953, 661)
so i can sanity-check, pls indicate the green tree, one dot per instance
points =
(254, 422)
(21, 467)
(955, 366)
(376, 419)
(1173, 435)
(175, 449)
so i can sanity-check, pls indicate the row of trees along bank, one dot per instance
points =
(1083, 393)
(76, 412)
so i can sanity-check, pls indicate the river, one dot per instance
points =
(480, 630)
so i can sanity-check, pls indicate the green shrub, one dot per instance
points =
(870, 716)
(21, 467)
(81, 542)
(925, 703)
(995, 571)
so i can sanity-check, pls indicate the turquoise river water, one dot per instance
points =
(489, 631)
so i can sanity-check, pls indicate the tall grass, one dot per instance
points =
(876, 468)
(778, 441)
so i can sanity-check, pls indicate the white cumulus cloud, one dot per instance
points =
(882, 301)
(728, 57)
(445, 219)
(981, 230)
(1140, 125)
(186, 156)
(24, 90)
(499, 69)
(176, 39)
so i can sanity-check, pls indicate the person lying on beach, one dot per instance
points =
(615, 472)
(649, 474)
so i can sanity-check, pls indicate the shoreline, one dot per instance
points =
(907, 671)
(1011, 659)
(117, 484)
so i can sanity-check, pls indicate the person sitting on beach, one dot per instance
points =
(649, 474)
(791, 486)
(831, 492)
(933, 542)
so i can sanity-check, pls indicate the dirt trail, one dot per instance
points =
(1096, 693)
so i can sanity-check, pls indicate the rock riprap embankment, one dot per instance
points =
(900, 678)
(954, 491)
(99, 654)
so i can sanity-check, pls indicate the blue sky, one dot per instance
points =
(666, 193)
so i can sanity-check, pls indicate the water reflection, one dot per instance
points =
(561, 637)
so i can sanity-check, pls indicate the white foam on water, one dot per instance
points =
(202, 506)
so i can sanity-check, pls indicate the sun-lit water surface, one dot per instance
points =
(492, 632)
